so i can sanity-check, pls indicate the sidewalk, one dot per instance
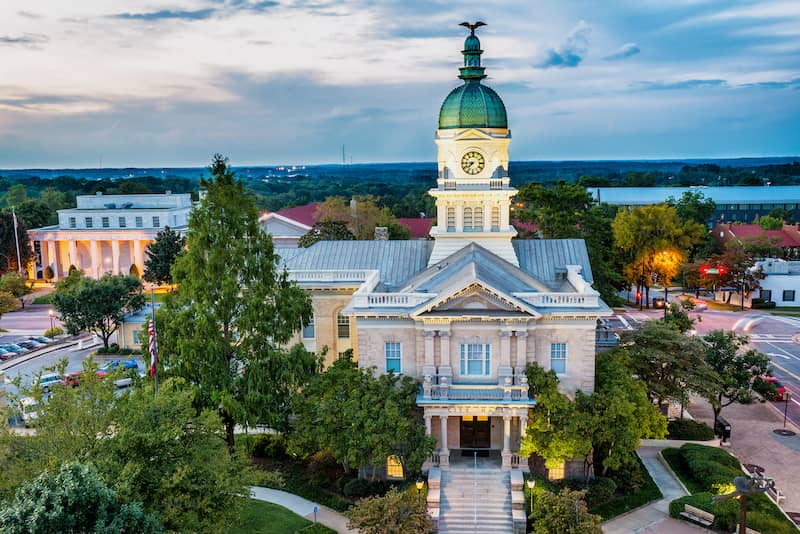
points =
(304, 508)
(654, 518)
(753, 442)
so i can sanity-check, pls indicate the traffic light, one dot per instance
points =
(704, 269)
(723, 269)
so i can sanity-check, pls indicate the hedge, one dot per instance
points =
(689, 430)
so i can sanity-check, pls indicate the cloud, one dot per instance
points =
(167, 14)
(625, 51)
(775, 85)
(571, 52)
(29, 15)
(682, 84)
(28, 40)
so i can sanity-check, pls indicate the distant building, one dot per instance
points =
(107, 233)
(734, 203)
(782, 284)
(787, 239)
(133, 330)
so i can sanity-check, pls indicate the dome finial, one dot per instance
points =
(472, 27)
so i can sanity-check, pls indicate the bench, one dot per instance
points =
(775, 494)
(697, 515)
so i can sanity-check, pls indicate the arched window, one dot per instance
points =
(467, 219)
(477, 223)
(394, 467)
(495, 219)
(342, 326)
(451, 219)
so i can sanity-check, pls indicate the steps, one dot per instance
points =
(475, 502)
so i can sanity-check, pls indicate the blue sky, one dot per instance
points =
(168, 83)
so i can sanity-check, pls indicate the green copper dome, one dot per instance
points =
(472, 105)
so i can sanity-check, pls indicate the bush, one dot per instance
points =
(267, 479)
(53, 332)
(689, 430)
(764, 523)
(601, 490)
(763, 305)
(713, 468)
(359, 487)
(265, 445)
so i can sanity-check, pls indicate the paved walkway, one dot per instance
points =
(654, 518)
(304, 508)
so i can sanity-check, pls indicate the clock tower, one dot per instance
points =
(473, 196)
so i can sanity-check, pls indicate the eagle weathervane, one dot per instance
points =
(472, 27)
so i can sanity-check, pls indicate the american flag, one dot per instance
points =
(151, 332)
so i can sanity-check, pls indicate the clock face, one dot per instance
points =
(472, 162)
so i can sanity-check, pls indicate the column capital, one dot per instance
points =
(506, 417)
(521, 333)
(444, 333)
(505, 333)
(428, 333)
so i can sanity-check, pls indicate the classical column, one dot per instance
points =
(505, 206)
(459, 209)
(429, 349)
(52, 259)
(505, 348)
(115, 256)
(522, 348)
(94, 249)
(427, 425)
(487, 217)
(73, 256)
(137, 256)
(444, 454)
(441, 216)
(506, 452)
(444, 348)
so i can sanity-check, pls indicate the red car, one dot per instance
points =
(74, 378)
(780, 389)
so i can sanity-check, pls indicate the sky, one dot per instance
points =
(91, 83)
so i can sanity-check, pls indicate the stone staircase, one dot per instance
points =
(475, 501)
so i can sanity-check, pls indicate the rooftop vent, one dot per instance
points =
(127, 205)
(110, 205)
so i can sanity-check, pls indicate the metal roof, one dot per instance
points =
(641, 196)
(546, 259)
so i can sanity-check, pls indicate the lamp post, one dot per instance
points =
(420, 484)
(531, 482)
(52, 314)
(786, 396)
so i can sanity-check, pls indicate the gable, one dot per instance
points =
(472, 134)
(475, 297)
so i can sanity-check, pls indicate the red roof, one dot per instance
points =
(301, 214)
(751, 231)
(419, 227)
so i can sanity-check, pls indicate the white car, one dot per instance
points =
(47, 380)
(29, 410)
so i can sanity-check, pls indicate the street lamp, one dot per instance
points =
(52, 314)
(420, 484)
(531, 482)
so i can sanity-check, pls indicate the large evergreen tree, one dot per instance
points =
(8, 247)
(227, 329)
(161, 255)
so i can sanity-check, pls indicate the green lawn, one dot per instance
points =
(259, 517)
(624, 503)
(44, 299)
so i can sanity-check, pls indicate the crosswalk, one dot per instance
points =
(772, 338)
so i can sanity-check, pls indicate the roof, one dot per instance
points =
(752, 231)
(397, 261)
(546, 259)
(420, 227)
(640, 196)
(473, 105)
(302, 214)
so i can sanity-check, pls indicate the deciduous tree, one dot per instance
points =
(161, 255)
(736, 369)
(98, 305)
(564, 512)
(326, 231)
(227, 329)
(8, 248)
(391, 513)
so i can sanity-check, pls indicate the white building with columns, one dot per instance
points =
(107, 233)
(466, 312)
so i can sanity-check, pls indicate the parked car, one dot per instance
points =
(29, 344)
(6, 354)
(74, 378)
(48, 380)
(16, 349)
(780, 389)
(29, 410)
(119, 364)
(41, 339)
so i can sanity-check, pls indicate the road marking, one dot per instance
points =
(772, 344)
(776, 354)
(788, 372)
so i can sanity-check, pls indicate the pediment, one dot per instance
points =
(471, 134)
(475, 299)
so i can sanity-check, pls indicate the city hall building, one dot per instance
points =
(466, 311)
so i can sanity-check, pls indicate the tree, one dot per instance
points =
(14, 283)
(227, 328)
(15, 195)
(694, 206)
(646, 232)
(379, 412)
(8, 303)
(326, 231)
(75, 499)
(361, 215)
(740, 269)
(736, 370)
(564, 512)
(161, 255)
(8, 247)
(391, 513)
(677, 316)
(34, 213)
(557, 431)
(98, 305)
(172, 459)
(670, 363)
(767, 222)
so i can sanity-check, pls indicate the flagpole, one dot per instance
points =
(154, 352)
(16, 240)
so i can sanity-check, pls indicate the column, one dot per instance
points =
(505, 206)
(441, 216)
(429, 349)
(523, 426)
(459, 208)
(427, 425)
(73, 255)
(94, 249)
(444, 349)
(137, 256)
(506, 452)
(444, 454)
(53, 259)
(115, 256)
(44, 254)
(505, 348)
(522, 351)
(487, 216)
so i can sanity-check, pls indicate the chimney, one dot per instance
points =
(381, 233)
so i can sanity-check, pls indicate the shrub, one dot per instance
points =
(763, 305)
(764, 523)
(713, 468)
(53, 332)
(601, 490)
(725, 513)
(267, 479)
(266, 445)
(689, 430)
(359, 487)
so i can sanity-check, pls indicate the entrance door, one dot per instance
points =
(475, 432)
